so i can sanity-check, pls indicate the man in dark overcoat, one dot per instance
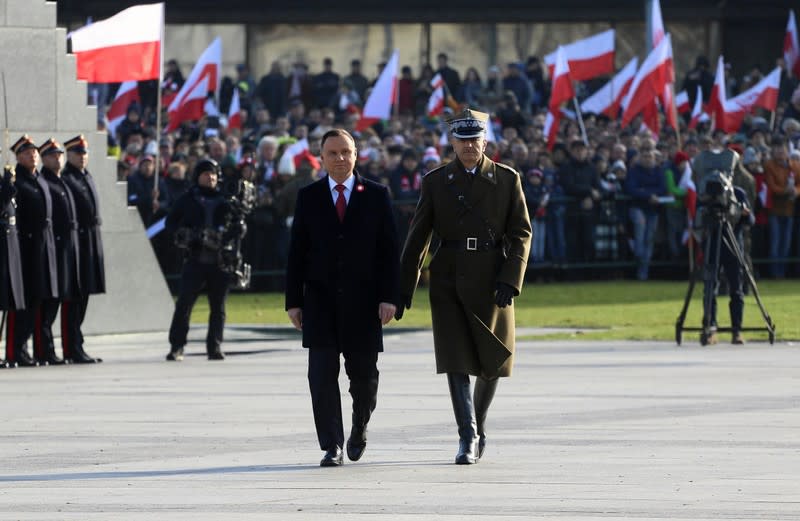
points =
(38, 252)
(477, 208)
(12, 291)
(65, 233)
(341, 285)
(90, 247)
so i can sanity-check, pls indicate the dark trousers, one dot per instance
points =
(323, 380)
(43, 341)
(73, 312)
(194, 277)
(729, 262)
(21, 324)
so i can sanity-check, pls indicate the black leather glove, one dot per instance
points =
(402, 304)
(8, 174)
(503, 295)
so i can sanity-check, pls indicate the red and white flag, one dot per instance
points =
(791, 48)
(561, 89)
(682, 102)
(383, 95)
(698, 116)
(650, 81)
(608, 99)
(763, 94)
(128, 93)
(292, 154)
(437, 81)
(206, 71)
(657, 32)
(125, 47)
(436, 102)
(588, 58)
(193, 107)
(235, 111)
(716, 104)
(690, 202)
(551, 124)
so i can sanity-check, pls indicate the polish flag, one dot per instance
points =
(235, 111)
(690, 202)
(128, 93)
(791, 48)
(206, 71)
(716, 105)
(383, 95)
(650, 81)
(193, 107)
(125, 47)
(561, 89)
(292, 154)
(682, 102)
(588, 58)
(551, 124)
(763, 94)
(656, 24)
(697, 111)
(437, 81)
(436, 102)
(608, 99)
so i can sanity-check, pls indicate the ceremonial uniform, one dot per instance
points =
(485, 232)
(65, 233)
(37, 247)
(91, 272)
(12, 292)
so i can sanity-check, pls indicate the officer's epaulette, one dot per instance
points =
(501, 166)
(438, 168)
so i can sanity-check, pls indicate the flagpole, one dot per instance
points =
(772, 121)
(158, 104)
(580, 120)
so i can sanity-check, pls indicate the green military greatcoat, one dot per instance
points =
(471, 334)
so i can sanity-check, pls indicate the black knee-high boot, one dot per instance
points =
(484, 393)
(465, 418)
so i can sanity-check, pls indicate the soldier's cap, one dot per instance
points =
(468, 124)
(77, 144)
(22, 144)
(51, 146)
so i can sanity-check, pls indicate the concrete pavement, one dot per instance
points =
(583, 430)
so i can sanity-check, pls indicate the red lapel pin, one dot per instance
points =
(359, 188)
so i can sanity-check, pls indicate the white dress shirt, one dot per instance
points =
(348, 188)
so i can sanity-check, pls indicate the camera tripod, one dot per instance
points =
(722, 235)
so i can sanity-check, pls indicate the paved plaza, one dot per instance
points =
(583, 430)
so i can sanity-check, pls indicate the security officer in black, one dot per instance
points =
(65, 232)
(12, 291)
(38, 251)
(198, 221)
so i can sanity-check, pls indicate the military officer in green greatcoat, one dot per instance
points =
(477, 209)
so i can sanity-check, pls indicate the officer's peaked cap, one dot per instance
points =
(468, 124)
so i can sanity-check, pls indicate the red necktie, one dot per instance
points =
(341, 202)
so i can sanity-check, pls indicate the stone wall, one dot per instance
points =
(44, 99)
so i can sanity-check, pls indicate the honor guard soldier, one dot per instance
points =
(12, 293)
(65, 232)
(91, 270)
(38, 252)
(197, 220)
(477, 208)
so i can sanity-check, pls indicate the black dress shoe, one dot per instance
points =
(332, 458)
(216, 355)
(356, 444)
(25, 360)
(175, 354)
(82, 358)
(52, 359)
(481, 446)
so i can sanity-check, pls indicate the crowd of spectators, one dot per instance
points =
(617, 200)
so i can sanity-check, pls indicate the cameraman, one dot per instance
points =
(720, 202)
(198, 220)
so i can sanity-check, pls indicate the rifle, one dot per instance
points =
(6, 167)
